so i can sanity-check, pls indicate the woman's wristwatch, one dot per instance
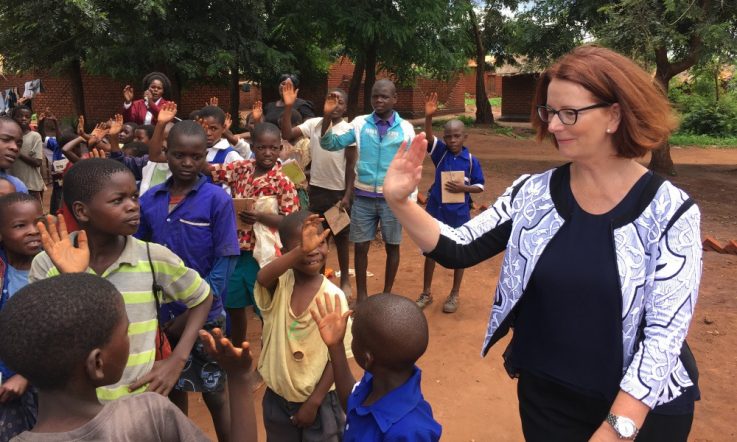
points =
(624, 426)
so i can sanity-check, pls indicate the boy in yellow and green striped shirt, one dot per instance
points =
(103, 197)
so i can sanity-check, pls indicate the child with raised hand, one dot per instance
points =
(378, 137)
(20, 241)
(448, 154)
(103, 199)
(389, 335)
(30, 157)
(332, 174)
(77, 323)
(196, 220)
(300, 402)
(260, 177)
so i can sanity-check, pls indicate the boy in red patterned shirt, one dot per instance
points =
(254, 178)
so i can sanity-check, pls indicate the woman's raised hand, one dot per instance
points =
(405, 170)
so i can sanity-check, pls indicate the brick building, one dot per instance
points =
(518, 91)
(103, 96)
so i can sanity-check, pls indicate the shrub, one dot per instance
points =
(716, 118)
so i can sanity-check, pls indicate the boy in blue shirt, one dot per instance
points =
(195, 220)
(11, 140)
(389, 336)
(377, 136)
(20, 241)
(448, 154)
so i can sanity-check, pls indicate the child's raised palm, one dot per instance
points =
(331, 102)
(58, 245)
(330, 319)
(167, 112)
(431, 104)
(289, 93)
(128, 93)
(80, 126)
(116, 125)
(228, 121)
(310, 238)
(257, 112)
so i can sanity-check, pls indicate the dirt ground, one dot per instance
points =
(473, 398)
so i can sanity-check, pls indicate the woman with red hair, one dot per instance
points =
(602, 265)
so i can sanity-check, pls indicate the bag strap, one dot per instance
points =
(157, 291)
(221, 154)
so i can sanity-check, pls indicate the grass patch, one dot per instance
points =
(684, 139)
(493, 101)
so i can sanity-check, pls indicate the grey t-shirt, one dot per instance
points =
(140, 418)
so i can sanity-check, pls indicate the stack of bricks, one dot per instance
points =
(710, 244)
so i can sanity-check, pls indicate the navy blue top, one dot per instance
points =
(200, 230)
(402, 415)
(569, 327)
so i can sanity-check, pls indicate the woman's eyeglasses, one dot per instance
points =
(566, 116)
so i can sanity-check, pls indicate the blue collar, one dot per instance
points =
(464, 153)
(376, 119)
(391, 407)
(201, 181)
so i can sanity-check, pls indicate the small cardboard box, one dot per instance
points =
(337, 219)
(240, 205)
(457, 176)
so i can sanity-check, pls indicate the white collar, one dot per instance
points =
(221, 145)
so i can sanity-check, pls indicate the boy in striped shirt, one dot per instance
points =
(103, 198)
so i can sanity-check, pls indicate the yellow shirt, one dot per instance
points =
(294, 356)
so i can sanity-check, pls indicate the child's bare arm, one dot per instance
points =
(269, 275)
(307, 412)
(332, 323)
(156, 145)
(431, 106)
(289, 96)
(68, 149)
(237, 364)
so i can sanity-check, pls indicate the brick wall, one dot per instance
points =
(103, 95)
(492, 81)
(518, 93)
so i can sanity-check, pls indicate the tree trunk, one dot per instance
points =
(77, 87)
(660, 160)
(483, 107)
(235, 96)
(368, 84)
(355, 87)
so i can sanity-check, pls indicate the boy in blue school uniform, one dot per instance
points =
(196, 220)
(377, 136)
(448, 154)
(389, 335)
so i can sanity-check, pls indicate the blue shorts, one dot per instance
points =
(367, 214)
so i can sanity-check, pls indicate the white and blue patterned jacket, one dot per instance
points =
(658, 252)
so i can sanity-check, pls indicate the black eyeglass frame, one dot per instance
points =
(554, 112)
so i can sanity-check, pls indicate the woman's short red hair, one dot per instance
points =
(647, 119)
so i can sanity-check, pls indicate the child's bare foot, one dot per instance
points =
(424, 300)
(451, 304)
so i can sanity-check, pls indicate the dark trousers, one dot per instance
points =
(328, 426)
(552, 412)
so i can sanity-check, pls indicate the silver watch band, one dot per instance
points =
(623, 426)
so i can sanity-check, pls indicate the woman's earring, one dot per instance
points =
(608, 131)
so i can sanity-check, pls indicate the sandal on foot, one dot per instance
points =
(424, 300)
(451, 304)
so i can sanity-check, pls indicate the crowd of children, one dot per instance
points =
(169, 228)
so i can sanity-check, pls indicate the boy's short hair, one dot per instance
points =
(87, 177)
(140, 147)
(48, 328)
(214, 112)
(393, 328)
(14, 198)
(17, 109)
(186, 128)
(194, 115)
(454, 122)
(132, 124)
(262, 129)
(8, 119)
(290, 226)
(149, 128)
(66, 136)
